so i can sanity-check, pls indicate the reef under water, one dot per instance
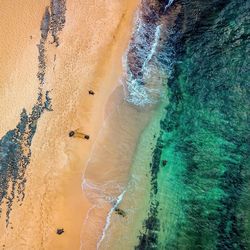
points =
(200, 166)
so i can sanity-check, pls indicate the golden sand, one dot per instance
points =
(20, 32)
(92, 44)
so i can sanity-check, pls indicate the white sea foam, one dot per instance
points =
(152, 64)
(98, 194)
(170, 2)
(108, 219)
(137, 93)
(102, 197)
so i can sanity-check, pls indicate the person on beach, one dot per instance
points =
(78, 134)
(91, 92)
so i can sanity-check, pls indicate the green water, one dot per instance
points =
(136, 200)
(200, 198)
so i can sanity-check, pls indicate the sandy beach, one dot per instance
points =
(92, 43)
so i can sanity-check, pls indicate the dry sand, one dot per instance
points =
(92, 44)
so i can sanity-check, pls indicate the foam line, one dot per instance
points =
(108, 219)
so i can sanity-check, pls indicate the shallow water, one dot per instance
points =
(108, 168)
(137, 197)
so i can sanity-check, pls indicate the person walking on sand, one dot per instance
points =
(91, 92)
(78, 134)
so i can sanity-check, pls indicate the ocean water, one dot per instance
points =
(200, 195)
(184, 181)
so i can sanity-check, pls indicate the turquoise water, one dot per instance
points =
(200, 166)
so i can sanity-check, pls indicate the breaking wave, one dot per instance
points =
(148, 61)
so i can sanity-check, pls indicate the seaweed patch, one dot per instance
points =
(15, 155)
(58, 19)
(15, 145)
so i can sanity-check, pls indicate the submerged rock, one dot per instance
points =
(120, 212)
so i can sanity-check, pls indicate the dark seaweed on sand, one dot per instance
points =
(15, 156)
(15, 145)
(58, 19)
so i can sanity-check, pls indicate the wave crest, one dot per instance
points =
(149, 59)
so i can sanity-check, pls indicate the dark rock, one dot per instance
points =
(164, 162)
(86, 137)
(120, 212)
(71, 133)
(60, 231)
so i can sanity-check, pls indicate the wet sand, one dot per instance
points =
(92, 43)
